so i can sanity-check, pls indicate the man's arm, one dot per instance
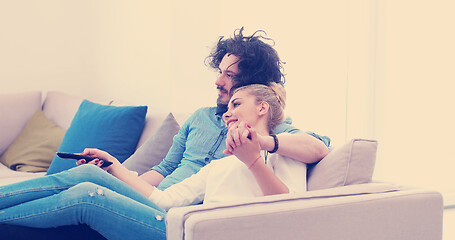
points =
(170, 162)
(173, 157)
(307, 147)
(300, 146)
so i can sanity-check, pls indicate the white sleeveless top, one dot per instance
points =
(229, 179)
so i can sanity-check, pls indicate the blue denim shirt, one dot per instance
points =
(200, 140)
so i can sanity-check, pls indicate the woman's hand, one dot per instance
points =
(100, 156)
(243, 142)
(238, 131)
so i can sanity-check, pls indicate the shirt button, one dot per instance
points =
(158, 217)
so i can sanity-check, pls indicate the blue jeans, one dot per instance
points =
(85, 194)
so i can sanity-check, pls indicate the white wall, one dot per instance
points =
(415, 93)
(89, 48)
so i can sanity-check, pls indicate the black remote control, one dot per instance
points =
(78, 156)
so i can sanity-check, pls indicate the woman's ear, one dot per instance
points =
(263, 108)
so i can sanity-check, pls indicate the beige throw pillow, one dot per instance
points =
(35, 147)
(352, 163)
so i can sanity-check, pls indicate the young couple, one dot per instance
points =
(253, 151)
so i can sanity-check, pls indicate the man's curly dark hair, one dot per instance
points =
(259, 61)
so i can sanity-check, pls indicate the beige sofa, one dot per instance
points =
(342, 202)
(365, 211)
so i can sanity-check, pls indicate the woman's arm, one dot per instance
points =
(152, 177)
(131, 178)
(248, 151)
(189, 191)
(269, 183)
(118, 170)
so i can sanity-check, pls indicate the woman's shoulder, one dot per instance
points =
(225, 160)
(275, 158)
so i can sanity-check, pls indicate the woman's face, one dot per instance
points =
(243, 107)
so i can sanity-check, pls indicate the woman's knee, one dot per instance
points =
(87, 173)
(85, 189)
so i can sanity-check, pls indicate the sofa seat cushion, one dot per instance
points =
(115, 130)
(34, 149)
(9, 176)
(352, 163)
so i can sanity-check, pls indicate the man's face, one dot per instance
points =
(228, 69)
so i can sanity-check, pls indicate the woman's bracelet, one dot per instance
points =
(254, 162)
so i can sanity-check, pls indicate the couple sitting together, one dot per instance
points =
(240, 149)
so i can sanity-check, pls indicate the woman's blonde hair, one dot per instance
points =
(275, 95)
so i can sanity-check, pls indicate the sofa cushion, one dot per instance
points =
(352, 163)
(115, 130)
(60, 107)
(155, 148)
(34, 148)
(153, 120)
(15, 110)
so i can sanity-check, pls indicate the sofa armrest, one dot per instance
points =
(364, 211)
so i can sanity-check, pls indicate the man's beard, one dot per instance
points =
(221, 105)
(218, 100)
(221, 108)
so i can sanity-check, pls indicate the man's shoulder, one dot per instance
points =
(206, 109)
(203, 112)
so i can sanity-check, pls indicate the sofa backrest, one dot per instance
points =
(61, 108)
(15, 111)
(153, 121)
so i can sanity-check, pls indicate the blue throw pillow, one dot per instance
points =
(113, 129)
